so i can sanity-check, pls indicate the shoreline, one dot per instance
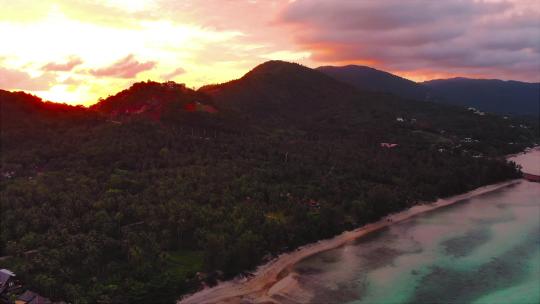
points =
(255, 289)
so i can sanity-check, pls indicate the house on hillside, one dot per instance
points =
(8, 285)
(388, 145)
(30, 297)
(313, 204)
(199, 107)
(8, 174)
(173, 85)
(480, 113)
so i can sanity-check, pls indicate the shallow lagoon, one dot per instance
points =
(481, 250)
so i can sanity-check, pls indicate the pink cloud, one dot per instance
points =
(171, 75)
(127, 67)
(64, 66)
(18, 80)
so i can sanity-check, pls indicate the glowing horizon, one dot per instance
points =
(77, 51)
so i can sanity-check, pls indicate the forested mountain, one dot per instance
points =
(284, 93)
(370, 79)
(491, 95)
(156, 189)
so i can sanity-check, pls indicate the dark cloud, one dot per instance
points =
(461, 36)
(127, 67)
(18, 80)
(64, 66)
(385, 15)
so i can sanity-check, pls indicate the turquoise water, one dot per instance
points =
(482, 250)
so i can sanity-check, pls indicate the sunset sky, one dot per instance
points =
(76, 51)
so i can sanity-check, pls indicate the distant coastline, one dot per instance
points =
(260, 287)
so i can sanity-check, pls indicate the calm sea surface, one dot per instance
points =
(481, 250)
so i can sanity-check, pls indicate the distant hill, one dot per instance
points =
(491, 95)
(19, 108)
(370, 79)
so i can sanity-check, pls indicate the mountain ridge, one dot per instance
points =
(508, 97)
(504, 97)
(371, 79)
